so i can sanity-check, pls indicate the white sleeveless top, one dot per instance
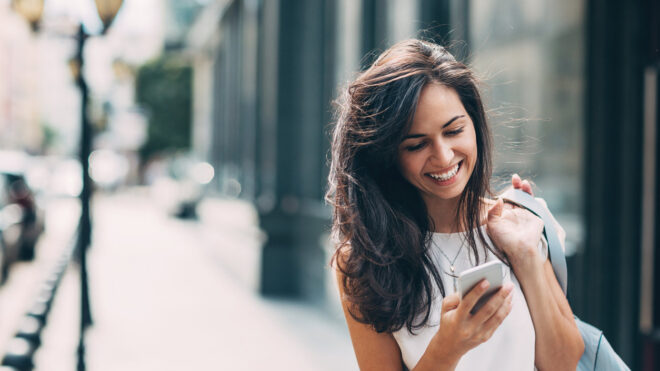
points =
(510, 348)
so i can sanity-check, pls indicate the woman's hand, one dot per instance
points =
(516, 231)
(513, 229)
(461, 331)
(523, 185)
(559, 344)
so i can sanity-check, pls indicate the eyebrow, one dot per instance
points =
(443, 126)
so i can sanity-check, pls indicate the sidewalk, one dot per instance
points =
(161, 300)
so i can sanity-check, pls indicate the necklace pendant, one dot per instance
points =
(451, 267)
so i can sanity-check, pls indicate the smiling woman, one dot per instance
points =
(409, 180)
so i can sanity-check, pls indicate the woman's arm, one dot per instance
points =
(373, 350)
(559, 344)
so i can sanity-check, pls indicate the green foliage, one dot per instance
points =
(164, 88)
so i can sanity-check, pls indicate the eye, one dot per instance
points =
(415, 147)
(454, 132)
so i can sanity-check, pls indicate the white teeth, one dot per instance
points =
(446, 176)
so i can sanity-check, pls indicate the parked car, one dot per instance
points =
(10, 238)
(21, 219)
(17, 192)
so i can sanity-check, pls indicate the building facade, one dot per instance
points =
(20, 116)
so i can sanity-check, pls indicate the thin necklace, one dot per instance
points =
(452, 266)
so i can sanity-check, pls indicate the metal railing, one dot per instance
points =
(20, 351)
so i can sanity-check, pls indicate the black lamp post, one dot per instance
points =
(32, 10)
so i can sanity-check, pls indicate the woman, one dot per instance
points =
(409, 180)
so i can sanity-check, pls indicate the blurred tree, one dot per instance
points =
(163, 87)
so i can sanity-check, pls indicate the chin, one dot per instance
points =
(449, 195)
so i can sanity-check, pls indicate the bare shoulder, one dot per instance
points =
(373, 350)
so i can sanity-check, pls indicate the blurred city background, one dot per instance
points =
(163, 165)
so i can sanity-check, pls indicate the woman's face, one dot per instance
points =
(439, 152)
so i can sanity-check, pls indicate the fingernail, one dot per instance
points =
(508, 287)
(484, 284)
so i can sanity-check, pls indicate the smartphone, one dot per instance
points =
(492, 271)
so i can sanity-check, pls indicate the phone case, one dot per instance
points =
(492, 271)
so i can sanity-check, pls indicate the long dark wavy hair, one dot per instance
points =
(380, 221)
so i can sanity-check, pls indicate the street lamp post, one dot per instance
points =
(32, 10)
(85, 224)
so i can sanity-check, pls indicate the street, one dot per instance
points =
(162, 300)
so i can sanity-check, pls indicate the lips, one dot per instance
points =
(446, 175)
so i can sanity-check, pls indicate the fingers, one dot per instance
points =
(516, 181)
(496, 210)
(450, 302)
(494, 304)
(498, 316)
(472, 330)
(471, 298)
(523, 185)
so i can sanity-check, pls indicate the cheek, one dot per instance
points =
(471, 151)
(407, 165)
(470, 147)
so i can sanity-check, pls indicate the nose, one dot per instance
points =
(442, 154)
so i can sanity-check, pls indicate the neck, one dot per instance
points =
(443, 214)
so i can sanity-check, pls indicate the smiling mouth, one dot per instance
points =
(443, 177)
